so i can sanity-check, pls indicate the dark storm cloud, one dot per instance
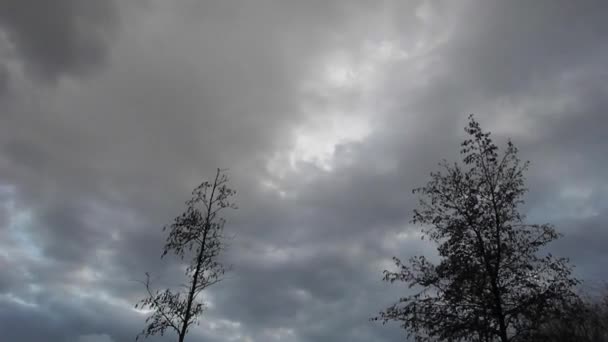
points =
(506, 47)
(52, 38)
(92, 168)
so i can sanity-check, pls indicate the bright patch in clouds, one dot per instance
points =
(9, 297)
(316, 143)
(340, 100)
(360, 73)
(340, 75)
(337, 70)
(384, 51)
(360, 68)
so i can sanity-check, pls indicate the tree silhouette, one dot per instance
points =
(585, 321)
(195, 235)
(490, 283)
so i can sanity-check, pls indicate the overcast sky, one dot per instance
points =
(327, 113)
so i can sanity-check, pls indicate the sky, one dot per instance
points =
(327, 114)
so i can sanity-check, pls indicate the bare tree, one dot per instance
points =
(490, 283)
(197, 236)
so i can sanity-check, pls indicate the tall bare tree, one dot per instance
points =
(490, 284)
(196, 236)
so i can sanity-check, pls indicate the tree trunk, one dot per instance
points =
(182, 333)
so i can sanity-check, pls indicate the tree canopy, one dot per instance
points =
(491, 283)
(196, 236)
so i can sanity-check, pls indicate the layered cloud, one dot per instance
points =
(327, 115)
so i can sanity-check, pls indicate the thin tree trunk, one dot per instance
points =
(199, 260)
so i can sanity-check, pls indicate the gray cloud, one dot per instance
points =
(59, 37)
(95, 338)
(93, 167)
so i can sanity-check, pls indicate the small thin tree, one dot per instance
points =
(197, 236)
(490, 283)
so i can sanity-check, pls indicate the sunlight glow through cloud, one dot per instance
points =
(317, 142)
(340, 75)
(343, 77)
